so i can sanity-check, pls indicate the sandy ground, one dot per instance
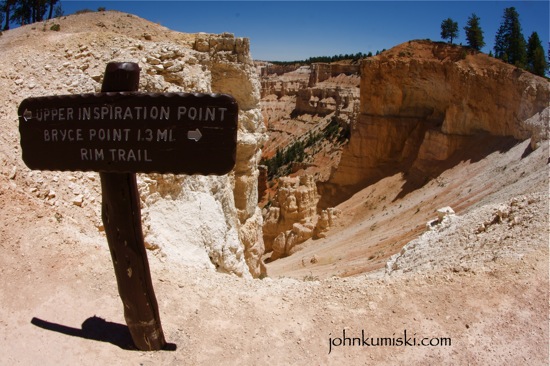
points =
(60, 305)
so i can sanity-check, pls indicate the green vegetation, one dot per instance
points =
(536, 62)
(336, 133)
(474, 33)
(281, 164)
(326, 59)
(510, 45)
(28, 11)
(449, 29)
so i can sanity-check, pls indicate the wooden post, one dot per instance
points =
(121, 214)
(202, 125)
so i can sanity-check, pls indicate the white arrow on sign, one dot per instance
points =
(194, 135)
(27, 115)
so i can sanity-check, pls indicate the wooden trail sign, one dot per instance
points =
(121, 214)
(178, 133)
(120, 132)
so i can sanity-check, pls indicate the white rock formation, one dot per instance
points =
(195, 220)
(483, 235)
(293, 217)
(211, 221)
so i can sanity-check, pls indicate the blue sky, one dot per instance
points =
(296, 30)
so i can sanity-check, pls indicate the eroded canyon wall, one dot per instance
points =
(304, 104)
(217, 214)
(424, 102)
(324, 71)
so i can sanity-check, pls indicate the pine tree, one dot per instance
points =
(23, 12)
(279, 159)
(509, 40)
(449, 29)
(536, 62)
(6, 8)
(51, 6)
(474, 34)
(29, 11)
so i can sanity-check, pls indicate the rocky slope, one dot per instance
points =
(303, 99)
(312, 107)
(431, 123)
(425, 104)
(293, 217)
(222, 224)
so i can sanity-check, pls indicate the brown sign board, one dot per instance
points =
(179, 133)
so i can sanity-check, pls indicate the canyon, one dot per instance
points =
(313, 106)
(425, 108)
(425, 102)
(419, 206)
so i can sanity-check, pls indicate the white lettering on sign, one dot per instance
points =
(159, 135)
(92, 154)
(130, 155)
(108, 112)
(126, 155)
(109, 134)
(105, 112)
(162, 135)
(136, 113)
(57, 114)
(202, 113)
(62, 135)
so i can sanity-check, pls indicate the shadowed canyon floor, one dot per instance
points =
(377, 221)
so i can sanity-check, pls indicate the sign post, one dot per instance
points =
(120, 132)
(121, 214)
